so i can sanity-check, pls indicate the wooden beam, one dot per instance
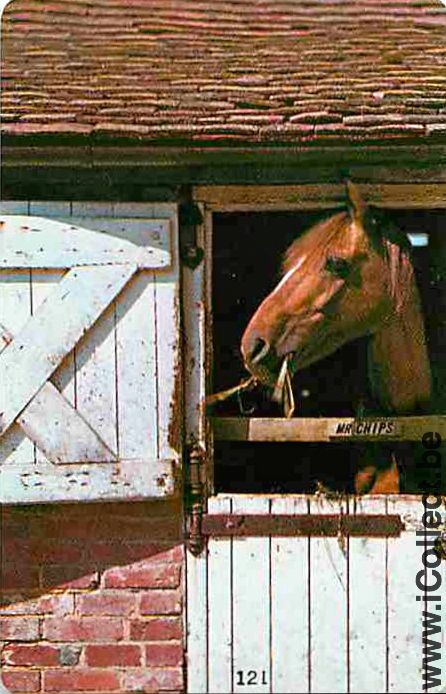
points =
(124, 480)
(319, 196)
(35, 242)
(327, 429)
(61, 432)
(31, 152)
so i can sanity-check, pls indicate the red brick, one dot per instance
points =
(35, 654)
(81, 681)
(107, 603)
(115, 552)
(18, 575)
(129, 527)
(156, 629)
(169, 556)
(19, 628)
(164, 653)
(161, 602)
(83, 629)
(112, 655)
(143, 575)
(60, 552)
(154, 680)
(60, 604)
(21, 681)
(69, 577)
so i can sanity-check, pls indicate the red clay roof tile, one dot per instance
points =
(248, 70)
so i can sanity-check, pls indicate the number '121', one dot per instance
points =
(250, 677)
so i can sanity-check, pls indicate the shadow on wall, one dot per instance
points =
(78, 546)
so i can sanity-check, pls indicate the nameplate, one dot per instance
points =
(365, 429)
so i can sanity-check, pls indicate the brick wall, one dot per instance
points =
(92, 598)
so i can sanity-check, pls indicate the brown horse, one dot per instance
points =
(347, 277)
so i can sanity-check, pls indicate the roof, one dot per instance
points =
(226, 70)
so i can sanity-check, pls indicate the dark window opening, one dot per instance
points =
(247, 253)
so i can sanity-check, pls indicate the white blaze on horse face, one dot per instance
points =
(288, 275)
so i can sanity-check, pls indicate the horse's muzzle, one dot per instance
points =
(259, 357)
(259, 350)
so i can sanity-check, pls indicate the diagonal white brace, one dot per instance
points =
(59, 431)
(51, 333)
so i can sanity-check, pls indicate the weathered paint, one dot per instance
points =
(316, 614)
(36, 242)
(90, 357)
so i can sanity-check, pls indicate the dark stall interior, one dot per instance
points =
(247, 254)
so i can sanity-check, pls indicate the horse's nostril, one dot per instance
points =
(259, 350)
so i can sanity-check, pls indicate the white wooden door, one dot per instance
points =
(308, 614)
(89, 363)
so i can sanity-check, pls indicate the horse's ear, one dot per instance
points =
(356, 203)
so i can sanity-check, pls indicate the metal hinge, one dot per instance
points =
(195, 498)
(189, 218)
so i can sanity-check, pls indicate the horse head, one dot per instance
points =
(347, 277)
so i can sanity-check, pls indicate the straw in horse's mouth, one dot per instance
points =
(282, 394)
(283, 390)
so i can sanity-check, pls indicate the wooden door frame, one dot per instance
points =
(265, 198)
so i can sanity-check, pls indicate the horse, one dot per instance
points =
(347, 277)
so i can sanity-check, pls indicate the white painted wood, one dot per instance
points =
(289, 603)
(357, 584)
(74, 305)
(14, 207)
(151, 236)
(46, 483)
(136, 209)
(50, 421)
(328, 614)
(367, 605)
(92, 209)
(15, 310)
(43, 283)
(251, 603)
(167, 305)
(136, 375)
(59, 431)
(325, 429)
(195, 355)
(48, 208)
(404, 612)
(96, 383)
(196, 623)
(110, 392)
(220, 606)
(36, 242)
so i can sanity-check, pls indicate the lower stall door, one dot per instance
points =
(311, 614)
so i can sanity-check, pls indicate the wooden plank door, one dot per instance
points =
(307, 614)
(89, 360)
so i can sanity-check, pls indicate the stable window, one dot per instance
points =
(254, 448)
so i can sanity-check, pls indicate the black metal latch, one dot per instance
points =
(189, 218)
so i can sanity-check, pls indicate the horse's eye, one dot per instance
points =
(338, 266)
